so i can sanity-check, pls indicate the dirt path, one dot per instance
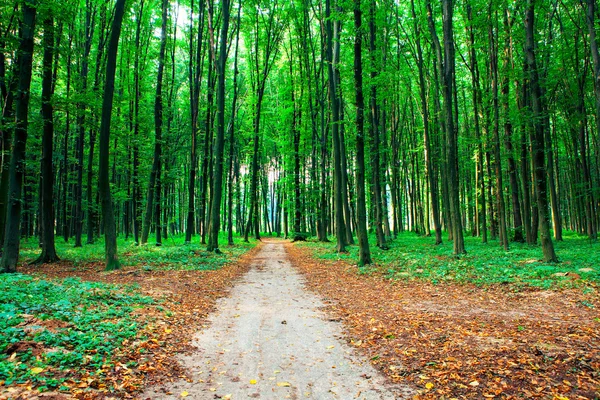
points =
(269, 340)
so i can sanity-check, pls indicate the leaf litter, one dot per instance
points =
(464, 341)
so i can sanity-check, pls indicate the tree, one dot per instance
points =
(361, 211)
(213, 239)
(537, 136)
(153, 205)
(451, 129)
(47, 174)
(103, 180)
(332, 54)
(12, 238)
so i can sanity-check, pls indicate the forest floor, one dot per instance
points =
(427, 340)
(463, 340)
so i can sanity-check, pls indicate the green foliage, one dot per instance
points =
(415, 257)
(174, 254)
(77, 325)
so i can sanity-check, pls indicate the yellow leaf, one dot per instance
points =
(429, 385)
(167, 330)
(283, 384)
(184, 394)
(36, 370)
(253, 381)
(474, 383)
(226, 397)
(330, 347)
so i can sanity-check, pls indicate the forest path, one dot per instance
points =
(269, 340)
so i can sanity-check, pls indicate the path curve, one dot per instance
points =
(269, 340)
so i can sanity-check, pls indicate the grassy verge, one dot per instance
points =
(174, 254)
(416, 257)
(54, 332)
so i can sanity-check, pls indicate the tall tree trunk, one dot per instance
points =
(481, 210)
(47, 174)
(217, 191)
(81, 107)
(429, 162)
(497, 156)
(508, 133)
(110, 231)
(377, 190)
(332, 54)
(592, 224)
(232, 126)
(12, 238)
(537, 137)
(298, 235)
(153, 197)
(6, 136)
(137, 191)
(195, 77)
(451, 129)
(361, 209)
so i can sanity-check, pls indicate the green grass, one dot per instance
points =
(174, 254)
(416, 257)
(96, 320)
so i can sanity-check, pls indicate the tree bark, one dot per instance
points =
(361, 209)
(332, 54)
(451, 129)
(12, 238)
(217, 192)
(47, 173)
(537, 137)
(153, 198)
(497, 156)
(110, 231)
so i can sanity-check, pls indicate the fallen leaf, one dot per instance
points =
(253, 381)
(184, 394)
(36, 370)
(474, 383)
(283, 384)
(429, 385)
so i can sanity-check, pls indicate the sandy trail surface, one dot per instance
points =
(269, 340)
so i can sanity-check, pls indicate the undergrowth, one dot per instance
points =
(53, 330)
(174, 254)
(416, 257)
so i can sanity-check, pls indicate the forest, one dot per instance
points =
(326, 119)
(413, 186)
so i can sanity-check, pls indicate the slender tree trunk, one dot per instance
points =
(213, 240)
(153, 197)
(592, 225)
(537, 137)
(6, 137)
(497, 157)
(508, 133)
(377, 190)
(47, 174)
(332, 29)
(429, 162)
(232, 126)
(451, 129)
(79, 145)
(361, 209)
(110, 232)
(12, 238)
